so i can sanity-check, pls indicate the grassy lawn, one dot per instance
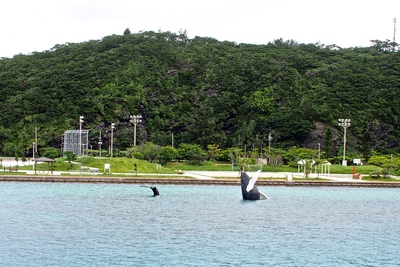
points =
(117, 165)
(210, 166)
(127, 165)
(124, 165)
(380, 179)
(364, 169)
(205, 166)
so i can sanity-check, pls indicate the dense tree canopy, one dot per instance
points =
(201, 91)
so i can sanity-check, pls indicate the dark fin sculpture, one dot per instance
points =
(153, 188)
(249, 189)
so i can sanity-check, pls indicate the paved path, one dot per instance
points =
(201, 175)
(281, 175)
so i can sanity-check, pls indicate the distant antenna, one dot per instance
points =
(394, 33)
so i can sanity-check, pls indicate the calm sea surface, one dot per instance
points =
(57, 224)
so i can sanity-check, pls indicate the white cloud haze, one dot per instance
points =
(28, 26)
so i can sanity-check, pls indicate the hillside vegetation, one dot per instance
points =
(202, 91)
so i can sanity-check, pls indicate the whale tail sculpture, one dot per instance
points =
(249, 189)
(153, 188)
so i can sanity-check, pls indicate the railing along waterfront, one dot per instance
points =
(190, 181)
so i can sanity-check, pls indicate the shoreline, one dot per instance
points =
(190, 181)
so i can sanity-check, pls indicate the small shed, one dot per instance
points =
(44, 159)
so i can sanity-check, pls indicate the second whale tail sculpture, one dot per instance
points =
(249, 189)
(153, 188)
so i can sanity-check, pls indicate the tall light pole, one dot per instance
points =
(344, 123)
(80, 134)
(112, 138)
(135, 119)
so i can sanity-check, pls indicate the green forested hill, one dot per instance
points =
(202, 91)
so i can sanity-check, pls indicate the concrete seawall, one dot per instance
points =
(187, 181)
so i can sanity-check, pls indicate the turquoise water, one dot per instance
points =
(57, 224)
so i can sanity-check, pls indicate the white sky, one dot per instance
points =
(37, 25)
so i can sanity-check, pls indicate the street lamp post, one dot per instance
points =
(100, 143)
(36, 142)
(135, 119)
(33, 157)
(80, 134)
(269, 140)
(269, 147)
(319, 150)
(33, 149)
(345, 123)
(112, 138)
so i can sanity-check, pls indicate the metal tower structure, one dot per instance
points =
(76, 141)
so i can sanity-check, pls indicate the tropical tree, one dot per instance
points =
(213, 151)
(168, 154)
(50, 152)
(150, 151)
(194, 154)
(70, 157)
